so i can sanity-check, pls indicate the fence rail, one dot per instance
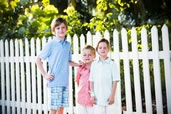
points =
(143, 61)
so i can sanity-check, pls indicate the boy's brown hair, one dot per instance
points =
(103, 40)
(91, 48)
(56, 22)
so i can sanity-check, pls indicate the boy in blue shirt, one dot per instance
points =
(58, 54)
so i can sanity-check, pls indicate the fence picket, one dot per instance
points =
(117, 61)
(28, 91)
(167, 65)
(45, 89)
(17, 77)
(89, 38)
(147, 83)
(2, 76)
(22, 78)
(82, 42)
(156, 64)
(7, 77)
(12, 76)
(136, 72)
(107, 35)
(96, 38)
(39, 82)
(126, 71)
(33, 76)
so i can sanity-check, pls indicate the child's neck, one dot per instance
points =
(88, 65)
(103, 58)
(60, 38)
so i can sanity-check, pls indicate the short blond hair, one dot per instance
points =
(56, 22)
(90, 48)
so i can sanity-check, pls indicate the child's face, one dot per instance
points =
(61, 31)
(87, 56)
(103, 49)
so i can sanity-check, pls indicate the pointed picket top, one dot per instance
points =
(107, 35)
(44, 41)
(98, 35)
(82, 42)
(96, 38)
(144, 39)
(6, 48)
(11, 48)
(16, 48)
(38, 45)
(154, 38)
(21, 47)
(1, 48)
(32, 47)
(27, 47)
(165, 37)
(124, 39)
(165, 41)
(89, 38)
(68, 38)
(50, 38)
(116, 40)
(75, 44)
(136, 71)
(134, 39)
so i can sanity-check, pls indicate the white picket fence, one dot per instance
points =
(24, 91)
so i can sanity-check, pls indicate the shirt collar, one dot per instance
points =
(105, 61)
(60, 41)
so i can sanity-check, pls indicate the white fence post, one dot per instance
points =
(2, 75)
(146, 72)
(167, 65)
(23, 91)
(137, 86)
(126, 71)
(156, 66)
(116, 57)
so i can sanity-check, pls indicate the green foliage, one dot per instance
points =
(73, 19)
(36, 20)
(9, 15)
(26, 19)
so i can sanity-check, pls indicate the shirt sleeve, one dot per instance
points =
(115, 74)
(46, 51)
(78, 75)
(91, 78)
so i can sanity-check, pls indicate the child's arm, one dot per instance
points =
(40, 66)
(111, 99)
(93, 98)
(72, 63)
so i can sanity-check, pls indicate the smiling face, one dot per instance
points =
(60, 31)
(103, 49)
(59, 27)
(88, 56)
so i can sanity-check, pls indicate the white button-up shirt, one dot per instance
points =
(103, 73)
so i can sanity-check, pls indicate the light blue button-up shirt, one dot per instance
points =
(58, 54)
(103, 73)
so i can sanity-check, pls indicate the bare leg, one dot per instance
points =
(53, 111)
(60, 111)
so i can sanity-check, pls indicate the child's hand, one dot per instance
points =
(93, 98)
(81, 63)
(49, 77)
(111, 100)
